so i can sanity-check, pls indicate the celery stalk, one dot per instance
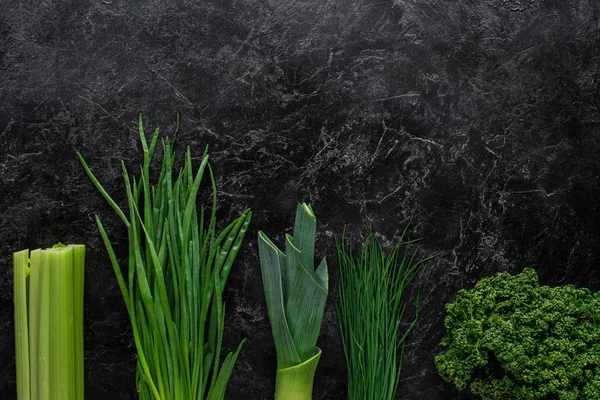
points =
(20, 260)
(41, 362)
(78, 281)
(35, 286)
(61, 332)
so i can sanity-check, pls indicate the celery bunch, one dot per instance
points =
(48, 297)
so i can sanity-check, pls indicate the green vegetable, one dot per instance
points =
(510, 338)
(296, 295)
(21, 261)
(370, 313)
(48, 297)
(178, 268)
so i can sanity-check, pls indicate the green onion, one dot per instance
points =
(48, 296)
(370, 313)
(178, 268)
(296, 294)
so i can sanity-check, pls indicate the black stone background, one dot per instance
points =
(477, 120)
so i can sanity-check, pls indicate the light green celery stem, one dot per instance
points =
(35, 296)
(42, 360)
(78, 284)
(61, 324)
(20, 264)
(296, 383)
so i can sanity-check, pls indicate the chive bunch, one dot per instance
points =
(370, 312)
(177, 270)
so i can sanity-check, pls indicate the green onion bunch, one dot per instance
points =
(177, 269)
(371, 310)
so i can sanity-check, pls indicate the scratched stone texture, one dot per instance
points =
(476, 121)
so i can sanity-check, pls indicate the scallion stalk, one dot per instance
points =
(295, 293)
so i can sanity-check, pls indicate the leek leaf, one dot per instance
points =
(270, 256)
(305, 227)
(304, 310)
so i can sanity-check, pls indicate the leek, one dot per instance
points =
(295, 293)
(48, 297)
(371, 310)
(178, 268)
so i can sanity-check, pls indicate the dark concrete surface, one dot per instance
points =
(479, 121)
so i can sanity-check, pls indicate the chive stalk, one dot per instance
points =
(295, 294)
(177, 270)
(371, 309)
(48, 296)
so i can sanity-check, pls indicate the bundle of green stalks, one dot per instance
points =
(296, 293)
(177, 270)
(371, 310)
(48, 297)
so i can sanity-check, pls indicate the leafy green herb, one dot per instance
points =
(371, 311)
(296, 294)
(178, 268)
(510, 338)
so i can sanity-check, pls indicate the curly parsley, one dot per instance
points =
(510, 338)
